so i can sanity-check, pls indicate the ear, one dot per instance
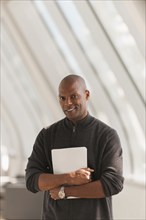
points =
(87, 94)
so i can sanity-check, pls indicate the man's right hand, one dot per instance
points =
(80, 176)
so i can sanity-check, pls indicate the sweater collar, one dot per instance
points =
(80, 124)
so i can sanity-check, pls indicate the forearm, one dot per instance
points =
(50, 181)
(90, 190)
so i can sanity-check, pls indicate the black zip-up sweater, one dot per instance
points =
(104, 156)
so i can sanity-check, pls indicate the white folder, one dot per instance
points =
(66, 160)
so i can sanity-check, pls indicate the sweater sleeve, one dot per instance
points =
(112, 165)
(37, 163)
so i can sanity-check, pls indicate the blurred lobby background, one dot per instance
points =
(42, 42)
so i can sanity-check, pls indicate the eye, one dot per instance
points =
(75, 96)
(61, 98)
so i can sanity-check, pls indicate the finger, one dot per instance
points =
(85, 169)
(84, 172)
(89, 169)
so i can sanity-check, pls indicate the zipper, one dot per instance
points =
(73, 134)
(74, 129)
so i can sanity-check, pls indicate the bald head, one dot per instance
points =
(71, 79)
(73, 97)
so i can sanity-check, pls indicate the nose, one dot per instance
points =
(68, 101)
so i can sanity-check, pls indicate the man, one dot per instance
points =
(94, 185)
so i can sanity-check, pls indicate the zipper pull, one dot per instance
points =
(74, 129)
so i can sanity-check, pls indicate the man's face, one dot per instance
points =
(73, 100)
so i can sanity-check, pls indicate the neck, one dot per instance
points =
(75, 122)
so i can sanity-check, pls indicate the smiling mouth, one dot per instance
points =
(70, 109)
